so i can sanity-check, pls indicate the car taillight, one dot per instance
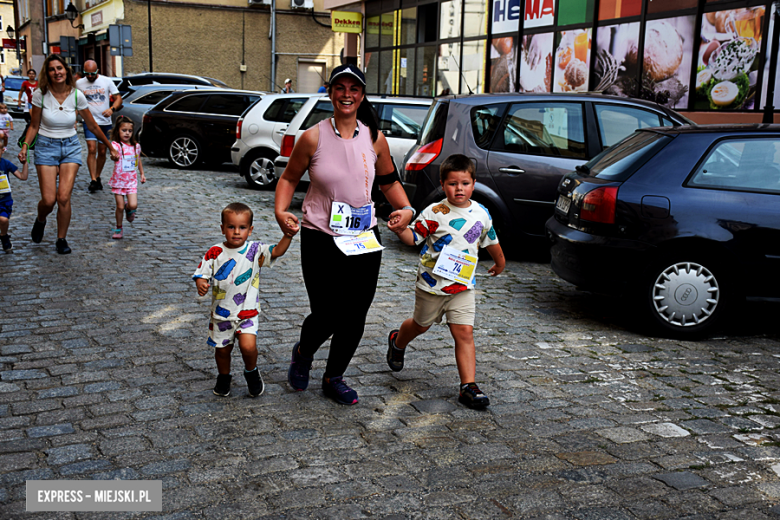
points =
(424, 156)
(147, 119)
(288, 142)
(238, 128)
(599, 205)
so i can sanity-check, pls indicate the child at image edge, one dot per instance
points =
(127, 170)
(233, 267)
(465, 226)
(6, 200)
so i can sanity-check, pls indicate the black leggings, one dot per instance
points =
(341, 289)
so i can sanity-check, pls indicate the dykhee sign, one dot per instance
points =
(10, 43)
(346, 22)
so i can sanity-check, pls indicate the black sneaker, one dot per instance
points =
(37, 231)
(298, 373)
(222, 388)
(472, 396)
(395, 355)
(254, 382)
(6, 240)
(62, 246)
(92, 186)
(99, 184)
(337, 389)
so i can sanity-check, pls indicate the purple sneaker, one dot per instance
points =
(338, 390)
(298, 374)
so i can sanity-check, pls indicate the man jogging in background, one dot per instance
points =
(97, 90)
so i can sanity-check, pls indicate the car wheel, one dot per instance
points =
(258, 170)
(684, 297)
(184, 152)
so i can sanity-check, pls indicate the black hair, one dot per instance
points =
(366, 114)
(457, 163)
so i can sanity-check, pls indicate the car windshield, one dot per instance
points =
(619, 162)
(13, 83)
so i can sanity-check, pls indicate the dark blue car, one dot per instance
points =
(686, 220)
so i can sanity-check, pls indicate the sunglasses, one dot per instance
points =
(90, 73)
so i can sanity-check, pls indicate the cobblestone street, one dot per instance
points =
(105, 374)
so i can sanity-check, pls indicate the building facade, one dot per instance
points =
(708, 58)
(9, 62)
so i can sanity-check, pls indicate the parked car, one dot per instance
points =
(162, 78)
(13, 84)
(194, 126)
(522, 145)
(400, 120)
(686, 220)
(140, 99)
(259, 136)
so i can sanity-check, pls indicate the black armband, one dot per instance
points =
(390, 178)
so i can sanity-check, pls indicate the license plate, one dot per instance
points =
(563, 204)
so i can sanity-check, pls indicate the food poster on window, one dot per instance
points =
(503, 64)
(666, 64)
(572, 61)
(769, 51)
(536, 63)
(616, 59)
(727, 68)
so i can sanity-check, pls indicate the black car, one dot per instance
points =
(164, 78)
(522, 145)
(194, 126)
(686, 220)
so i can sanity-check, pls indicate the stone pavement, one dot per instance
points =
(105, 374)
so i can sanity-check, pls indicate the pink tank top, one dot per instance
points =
(341, 170)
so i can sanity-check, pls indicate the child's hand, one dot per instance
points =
(496, 270)
(292, 227)
(114, 154)
(202, 285)
(143, 178)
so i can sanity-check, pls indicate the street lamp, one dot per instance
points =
(71, 13)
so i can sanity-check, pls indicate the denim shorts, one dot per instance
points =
(6, 205)
(53, 151)
(89, 136)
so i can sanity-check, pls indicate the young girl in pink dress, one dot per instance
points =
(124, 180)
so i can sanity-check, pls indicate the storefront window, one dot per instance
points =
(662, 6)
(387, 33)
(572, 61)
(611, 9)
(727, 66)
(386, 72)
(448, 69)
(372, 32)
(474, 18)
(406, 72)
(575, 11)
(449, 21)
(503, 60)
(425, 70)
(536, 63)
(372, 72)
(666, 67)
(616, 64)
(473, 67)
(408, 26)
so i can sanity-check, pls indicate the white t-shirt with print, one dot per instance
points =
(5, 121)
(98, 94)
(440, 225)
(57, 121)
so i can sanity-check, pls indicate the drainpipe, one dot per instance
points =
(273, 45)
(45, 30)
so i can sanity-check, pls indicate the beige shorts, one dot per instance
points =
(429, 308)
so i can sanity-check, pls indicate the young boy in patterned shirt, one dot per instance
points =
(453, 231)
(233, 267)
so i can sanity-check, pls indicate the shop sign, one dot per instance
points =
(506, 16)
(10, 43)
(97, 18)
(538, 13)
(346, 22)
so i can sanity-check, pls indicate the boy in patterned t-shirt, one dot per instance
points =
(453, 230)
(234, 269)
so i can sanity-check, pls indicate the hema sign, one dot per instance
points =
(346, 21)
(506, 16)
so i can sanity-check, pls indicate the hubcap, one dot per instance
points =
(184, 151)
(261, 171)
(685, 294)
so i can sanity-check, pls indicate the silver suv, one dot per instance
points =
(400, 119)
(259, 134)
